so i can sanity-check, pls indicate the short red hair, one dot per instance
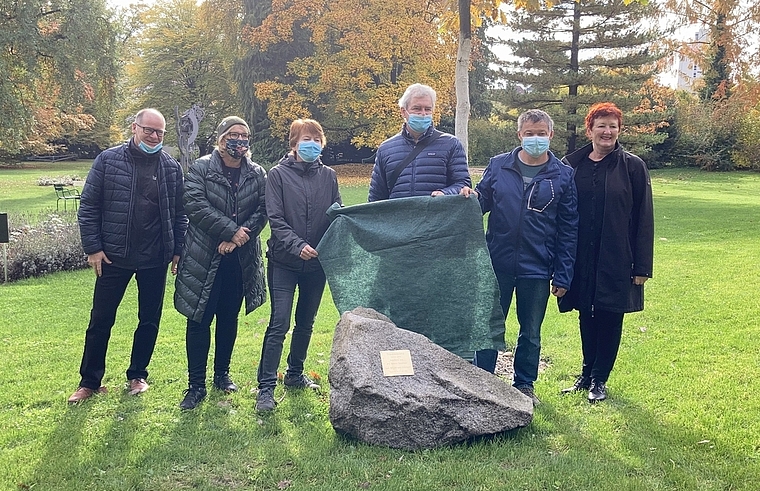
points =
(603, 110)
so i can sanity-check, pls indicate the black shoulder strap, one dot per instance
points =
(417, 149)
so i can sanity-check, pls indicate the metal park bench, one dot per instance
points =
(66, 194)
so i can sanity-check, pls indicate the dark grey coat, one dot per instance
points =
(209, 206)
(299, 195)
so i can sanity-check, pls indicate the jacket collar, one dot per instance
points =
(575, 158)
(511, 161)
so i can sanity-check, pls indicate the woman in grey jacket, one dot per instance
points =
(300, 189)
(222, 262)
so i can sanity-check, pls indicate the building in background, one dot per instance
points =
(685, 70)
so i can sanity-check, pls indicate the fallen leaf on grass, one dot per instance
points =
(283, 484)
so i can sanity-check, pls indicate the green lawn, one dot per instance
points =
(682, 415)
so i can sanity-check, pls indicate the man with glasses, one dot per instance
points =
(532, 232)
(419, 160)
(132, 223)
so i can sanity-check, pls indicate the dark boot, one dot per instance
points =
(193, 396)
(224, 383)
(581, 383)
(597, 392)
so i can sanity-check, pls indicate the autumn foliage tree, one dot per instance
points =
(364, 55)
(59, 69)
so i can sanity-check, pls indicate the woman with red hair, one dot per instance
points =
(615, 244)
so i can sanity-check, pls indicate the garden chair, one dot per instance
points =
(66, 194)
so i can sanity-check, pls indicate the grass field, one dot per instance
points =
(682, 415)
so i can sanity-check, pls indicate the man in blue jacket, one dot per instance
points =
(132, 223)
(532, 235)
(419, 160)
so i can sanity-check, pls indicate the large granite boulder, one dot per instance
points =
(447, 400)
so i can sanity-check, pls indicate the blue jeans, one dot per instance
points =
(282, 288)
(532, 298)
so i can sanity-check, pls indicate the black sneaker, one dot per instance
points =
(581, 383)
(224, 382)
(597, 392)
(528, 391)
(265, 400)
(300, 381)
(193, 396)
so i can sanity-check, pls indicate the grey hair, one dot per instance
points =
(416, 90)
(535, 116)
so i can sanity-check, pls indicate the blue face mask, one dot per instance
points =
(419, 124)
(535, 146)
(236, 148)
(309, 151)
(147, 149)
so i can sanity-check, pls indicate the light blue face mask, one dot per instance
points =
(418, 123)
(535, 146)
(309, 151)
(148, 149)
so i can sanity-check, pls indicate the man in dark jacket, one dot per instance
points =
(531, 236)
(439, 166)
(132, 223)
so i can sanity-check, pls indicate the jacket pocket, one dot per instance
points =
(541, 195)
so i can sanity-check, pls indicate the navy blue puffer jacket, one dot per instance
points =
(441, 166)
(106, 208)
(532, 233)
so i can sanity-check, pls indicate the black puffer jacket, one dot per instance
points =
(106, 208)
(298, 196)
(209, 205)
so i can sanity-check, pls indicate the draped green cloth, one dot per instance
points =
(421, 261)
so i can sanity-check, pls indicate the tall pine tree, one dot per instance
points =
(578, 53)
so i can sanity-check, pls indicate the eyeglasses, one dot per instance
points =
(237, 136)
(147, 131)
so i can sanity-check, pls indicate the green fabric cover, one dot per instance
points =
(421, 261)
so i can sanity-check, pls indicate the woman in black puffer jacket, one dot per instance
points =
(222, 262)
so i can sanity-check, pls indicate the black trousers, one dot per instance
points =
(224, 302)
(282, 287)
(601, 332)
(109, 291)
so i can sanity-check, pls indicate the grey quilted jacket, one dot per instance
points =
(210, 207)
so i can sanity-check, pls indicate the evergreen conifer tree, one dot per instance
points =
(577, 53)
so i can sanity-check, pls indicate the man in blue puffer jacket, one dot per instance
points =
(132, 223)
(532, 235)
(439, 168)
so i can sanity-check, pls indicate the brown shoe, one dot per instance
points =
(137, 386)
(83, 393)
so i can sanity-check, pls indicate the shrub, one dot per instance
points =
(44, 244)
(65, 180)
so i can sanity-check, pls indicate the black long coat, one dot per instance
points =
(626, 246)
(210, 207)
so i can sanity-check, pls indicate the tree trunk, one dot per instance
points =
(572, 108)
(462, 76)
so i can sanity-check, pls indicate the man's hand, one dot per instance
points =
(308, 252)
(437, 193)
(558, 292)
(639, 280)
(96, 260)
(241, 236)
(226, 247)
(467, 192)
(175, 261)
